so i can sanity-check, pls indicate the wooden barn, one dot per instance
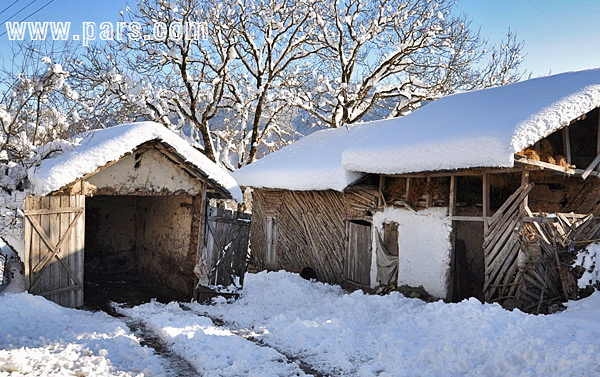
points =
(128, 203)
(487, 194)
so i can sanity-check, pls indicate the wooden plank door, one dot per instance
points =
(54, 247)
(226, 246)
(358, 252)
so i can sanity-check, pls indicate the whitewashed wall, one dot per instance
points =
(424, 243)
(154, 173)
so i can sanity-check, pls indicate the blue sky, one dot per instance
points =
(559, 35)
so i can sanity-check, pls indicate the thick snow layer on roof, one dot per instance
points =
(474, 129)
(311, 163)
(100, 147)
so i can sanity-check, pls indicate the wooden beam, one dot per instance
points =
(566, 144)
(465, 172)
(53, 210)
(452, 200)
(544, 165)
(470, 218)
(62, 290)
(591, 167)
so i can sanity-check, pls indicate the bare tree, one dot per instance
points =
(272, 40)
(264, 64)
(235, 87)
(385, 57)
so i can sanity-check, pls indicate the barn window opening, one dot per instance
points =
(271, 239)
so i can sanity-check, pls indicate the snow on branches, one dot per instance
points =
(240, 78)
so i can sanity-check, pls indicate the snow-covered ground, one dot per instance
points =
(40, 338)
(313, 324)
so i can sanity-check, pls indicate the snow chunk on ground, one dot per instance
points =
(584, 312)
(365, 335)
(478, 128)
(40, 338)
(212, 350)
(311, 163)
(99, 147)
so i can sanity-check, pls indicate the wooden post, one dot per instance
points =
(524, 182)
(381, 199)
(486, 199)
(197, 235)
(429, 202)
(452, 201)
(598, 140)
(566, 144)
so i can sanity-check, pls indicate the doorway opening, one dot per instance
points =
(138, 248)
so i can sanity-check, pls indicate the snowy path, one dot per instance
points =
(254, 338)
(175, 365)
(212, 350)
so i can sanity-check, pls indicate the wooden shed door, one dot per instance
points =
(54, 242)
(358, 252)
(226, 246)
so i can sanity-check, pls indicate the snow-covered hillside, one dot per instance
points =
(284, 325)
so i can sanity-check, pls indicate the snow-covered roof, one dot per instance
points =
(311, 163)
(482, 128)
(95, 149)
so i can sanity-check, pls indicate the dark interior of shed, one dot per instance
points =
(135, 249)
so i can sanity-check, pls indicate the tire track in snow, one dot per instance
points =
(175, 365)
(250, 336)
(208, 347)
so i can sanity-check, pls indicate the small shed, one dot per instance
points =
(129, 200)
(485, 194)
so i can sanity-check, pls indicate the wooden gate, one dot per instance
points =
(223, 260)
(358, 253)
(54, 247)
(501, 247)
